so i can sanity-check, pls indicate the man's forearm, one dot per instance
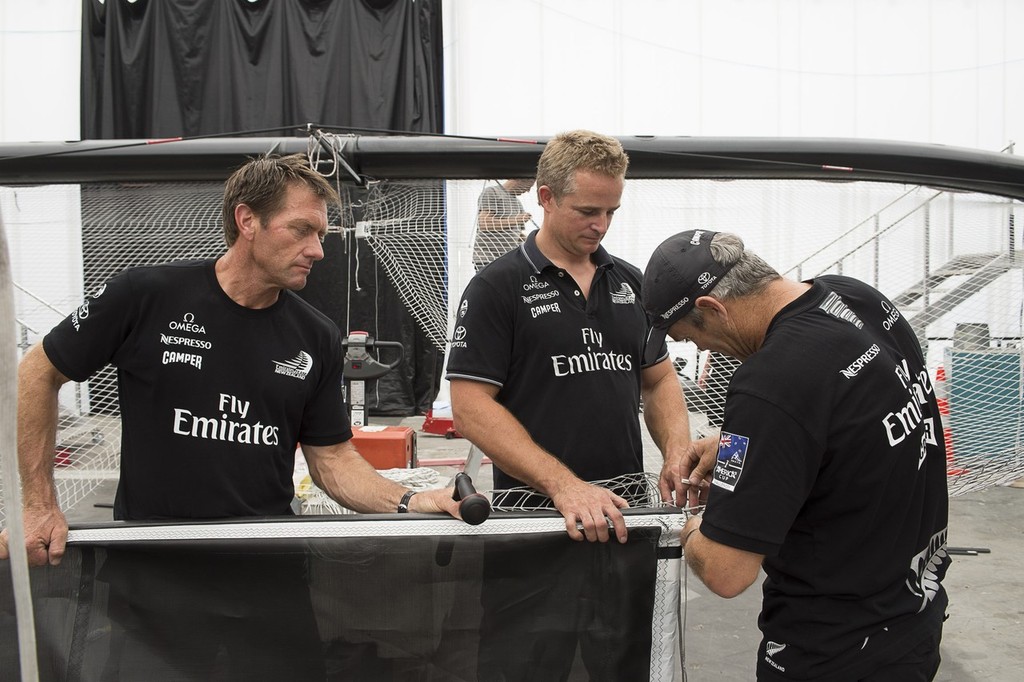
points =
(490, 222)
(496, 431)
(665, 414)
(37, 428)
(726, 571)
(341, 472)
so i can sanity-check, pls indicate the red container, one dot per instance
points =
(386, 447)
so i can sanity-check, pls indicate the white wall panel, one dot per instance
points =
(40, 59)
(943, 71)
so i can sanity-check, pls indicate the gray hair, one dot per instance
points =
(750, 274)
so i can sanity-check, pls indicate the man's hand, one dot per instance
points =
(673, 483)
(592, 507)
(493, 429)
(435, 500)
(685, 479)
(46, 534)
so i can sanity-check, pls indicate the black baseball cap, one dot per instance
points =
(680, 271)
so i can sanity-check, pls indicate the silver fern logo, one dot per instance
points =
(624, 295)
(770, 649)
(297, 367)
(925, 577)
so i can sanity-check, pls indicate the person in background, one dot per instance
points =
(830, 470)
(546, 377)
(500, 220)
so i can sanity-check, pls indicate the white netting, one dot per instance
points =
(640, 490)
(949, 260)
(403, 222)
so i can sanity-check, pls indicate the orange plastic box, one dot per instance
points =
(386, 447)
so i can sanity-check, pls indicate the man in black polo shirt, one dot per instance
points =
(546, 378)
(830, 471)
(545, 363)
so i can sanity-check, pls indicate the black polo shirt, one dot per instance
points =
(567, 366)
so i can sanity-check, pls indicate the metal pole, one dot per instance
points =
(9, 470)
(877, 247)
(473, 461)
(951, 228)
(1012, 233)
(927, 255)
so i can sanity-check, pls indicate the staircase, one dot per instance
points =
(950, 285)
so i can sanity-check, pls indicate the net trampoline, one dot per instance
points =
(358, 597)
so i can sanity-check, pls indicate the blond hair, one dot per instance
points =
(577, 150)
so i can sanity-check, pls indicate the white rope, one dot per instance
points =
(315, 501)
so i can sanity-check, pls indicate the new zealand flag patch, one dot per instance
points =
(732, 452)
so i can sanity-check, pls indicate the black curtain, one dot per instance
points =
(182, 68)
(169, 68)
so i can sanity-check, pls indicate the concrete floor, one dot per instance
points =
(981, 640)
(983, 637)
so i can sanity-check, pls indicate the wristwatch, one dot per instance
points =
(403, 506)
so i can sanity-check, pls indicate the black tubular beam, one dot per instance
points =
(412, 157)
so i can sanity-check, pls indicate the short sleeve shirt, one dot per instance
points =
(831, 463)
(214, 396)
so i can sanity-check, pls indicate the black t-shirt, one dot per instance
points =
(832, 464)
(568, 366)
(214, 396)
